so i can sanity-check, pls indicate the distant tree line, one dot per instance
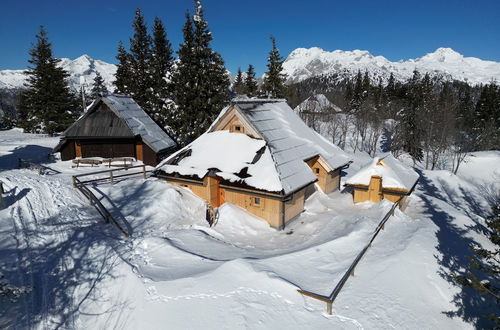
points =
(425, 117)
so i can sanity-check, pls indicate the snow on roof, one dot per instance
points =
(139, 122)
(394, 174)
(289, 142)
(233, 156)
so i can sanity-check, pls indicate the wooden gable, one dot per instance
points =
(100, 121)
(235, 122)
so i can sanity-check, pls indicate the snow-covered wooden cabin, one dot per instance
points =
(116, 126)
(259, 155)
(383, 178)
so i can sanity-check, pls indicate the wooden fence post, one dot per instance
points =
(74, 182)
(144, 170)
(329, 307)
(111, 177)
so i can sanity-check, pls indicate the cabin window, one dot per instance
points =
(316, 170)
(256, 202)
(237, 129)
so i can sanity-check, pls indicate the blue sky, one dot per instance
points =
(396, 29)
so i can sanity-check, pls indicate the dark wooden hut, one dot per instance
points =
(116, 126)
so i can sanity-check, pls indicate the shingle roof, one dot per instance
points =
(134, 122)
(289, 140)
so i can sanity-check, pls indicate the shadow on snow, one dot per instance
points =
(454, 249)
(62, 273)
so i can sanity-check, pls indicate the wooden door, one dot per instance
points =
(78, 149)
(123, 149)
(375, 189)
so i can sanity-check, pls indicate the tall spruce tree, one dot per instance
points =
(161, 67)
(251, 87)
(47, 105)
(239, 86)
(140, 61)
(123, 74)
(99, 88)
(201, 83)
(274, 80)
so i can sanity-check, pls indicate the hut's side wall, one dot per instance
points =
(267, 209)
(365, 193)
(361, 194)
(150, 157)
(197, 187)
(68, 150)
(295, 206)
(327, 181)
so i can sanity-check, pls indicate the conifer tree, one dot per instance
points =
(356, 99)
(251, 87)
(98, 88)
(409, 137)
(487, 117)
(201, 84)
(239, 87)
(123, 74)
(48, 105)
(161, 67)
(140, 58)
(274, 81)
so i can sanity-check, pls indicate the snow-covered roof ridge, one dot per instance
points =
(139, 121)
(394, 174)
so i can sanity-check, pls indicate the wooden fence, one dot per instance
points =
(109, 176)
(350, 271)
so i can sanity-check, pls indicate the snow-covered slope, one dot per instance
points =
(83, 66)
(305, 63)
(175, 272)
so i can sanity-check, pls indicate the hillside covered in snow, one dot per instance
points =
(176, 272)
(83, 66)
(304, 63)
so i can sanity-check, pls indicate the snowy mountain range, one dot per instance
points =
(83, 66)
(304, 63)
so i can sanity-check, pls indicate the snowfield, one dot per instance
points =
(176, 272)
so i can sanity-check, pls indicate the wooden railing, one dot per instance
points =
(350, 271)
(103, 211)
(110, 176)
(81, 186)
